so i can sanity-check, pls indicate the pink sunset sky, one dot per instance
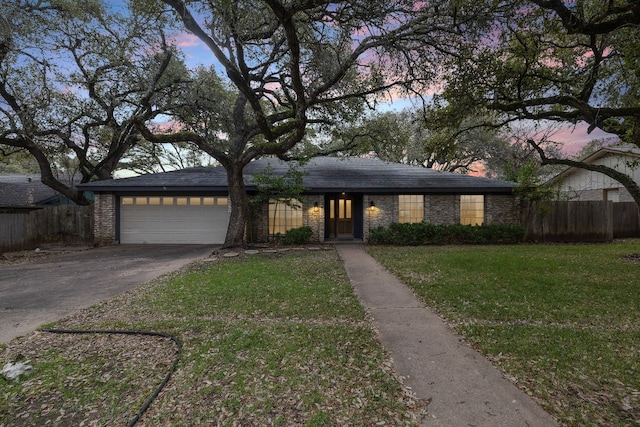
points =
(572, 137)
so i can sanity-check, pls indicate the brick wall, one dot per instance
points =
(384, 213)
(501, 209)
(442, 209)
(314, 219)
(438, 209)
(104, 225)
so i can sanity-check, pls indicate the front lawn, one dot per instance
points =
(267, 340)
(563, 321)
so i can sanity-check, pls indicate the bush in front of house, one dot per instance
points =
(298, 236)
(423, 233)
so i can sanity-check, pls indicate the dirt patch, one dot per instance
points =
(23, 257)
(633, 258)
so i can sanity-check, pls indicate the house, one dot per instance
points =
(24, 193)
(343, 199)
(584, 185)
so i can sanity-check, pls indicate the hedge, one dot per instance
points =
(423, 233)
(298, 236)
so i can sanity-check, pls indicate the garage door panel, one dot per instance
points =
(198, 224)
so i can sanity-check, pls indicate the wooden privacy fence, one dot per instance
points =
(586, 221)
(625, 220)
(70, 225)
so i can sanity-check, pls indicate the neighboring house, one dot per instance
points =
(23, 193)
(343, 199)
(583, 185)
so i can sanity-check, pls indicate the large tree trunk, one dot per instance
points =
(239, 204)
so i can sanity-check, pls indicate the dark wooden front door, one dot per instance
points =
(341, 216)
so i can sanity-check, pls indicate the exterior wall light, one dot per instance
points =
(372, 205)
(316, 208)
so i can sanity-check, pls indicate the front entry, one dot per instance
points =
(341, 216)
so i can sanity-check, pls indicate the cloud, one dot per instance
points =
(574, 138)
(186, 40)
(167, 126)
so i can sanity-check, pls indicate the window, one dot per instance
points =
(283, 217)
(612, 195)
(472, 210)
(410, 208)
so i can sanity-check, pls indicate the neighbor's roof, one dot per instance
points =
(322, 174)
(23, 190)
(618, 150)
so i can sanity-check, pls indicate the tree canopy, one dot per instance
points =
(555, 61)
(72, 78)
(295, 65)
(409, 137)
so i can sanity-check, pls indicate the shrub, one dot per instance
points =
(298, 236)
(426, 233)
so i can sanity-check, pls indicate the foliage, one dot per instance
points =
(413, 138)
(72, 78)
(531, 185)
(298, 236)
(299, 65)
(283, 189)
(286, 188)
(553, 61)
(560, 320)
(423, 233)
(17, 162)
(146, 157)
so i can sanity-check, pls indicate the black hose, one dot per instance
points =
(133, 332)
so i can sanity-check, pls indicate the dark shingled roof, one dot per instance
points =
(23, 190)
(322, 175)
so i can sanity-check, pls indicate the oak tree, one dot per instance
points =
(73, 76)
(410, 137)
(296, 64)
(553, 61)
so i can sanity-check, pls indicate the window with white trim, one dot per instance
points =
(472, 209)
(410, 208)
(283, 217)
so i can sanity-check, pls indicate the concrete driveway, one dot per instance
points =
(44, 291)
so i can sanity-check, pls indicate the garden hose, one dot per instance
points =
(146, 405)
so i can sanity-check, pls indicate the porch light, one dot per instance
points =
(315, 207)
(372, 205)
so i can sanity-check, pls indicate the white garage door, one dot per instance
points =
(198, 220)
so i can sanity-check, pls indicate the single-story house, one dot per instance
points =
(584, 185)
(342, 199)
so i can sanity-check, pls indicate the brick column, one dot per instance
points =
(313, 217)
(104, 224)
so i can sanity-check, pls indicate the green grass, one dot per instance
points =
(562, 320)
(267, 340)
(292, 286)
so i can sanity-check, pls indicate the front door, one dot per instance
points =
(341, 216)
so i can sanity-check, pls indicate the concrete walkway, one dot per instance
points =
(463, 388)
